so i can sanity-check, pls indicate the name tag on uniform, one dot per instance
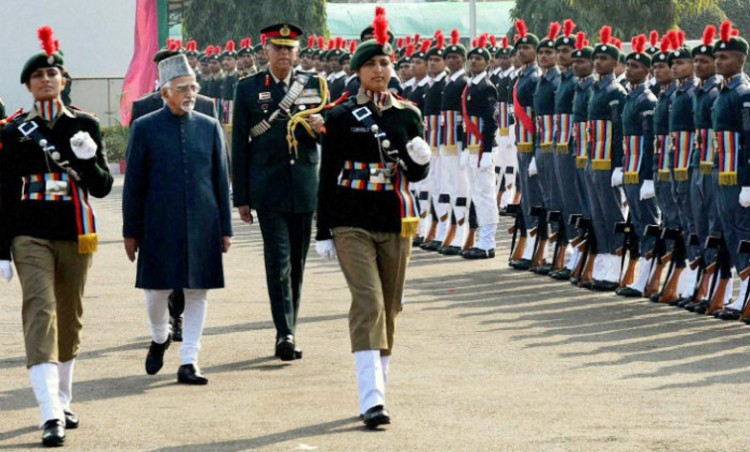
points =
(379, 176)
(264, 96)
(56, 187)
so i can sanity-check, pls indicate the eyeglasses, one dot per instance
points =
(183, 89)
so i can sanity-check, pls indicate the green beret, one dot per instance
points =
(681, 53)
(707, 50)
(455, 48)
(643, 58)
(546, 43)
(345, 58)
(735, 44)
(607, 49)
(530, 39)
(562, 40)
(660, 57)
(481, 51)
(435, 51)
(367, 50)
(39, 61)
(586, 53)
(503, 52)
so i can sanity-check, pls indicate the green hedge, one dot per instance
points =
(115, 142)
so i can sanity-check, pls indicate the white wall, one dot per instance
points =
(95, 35)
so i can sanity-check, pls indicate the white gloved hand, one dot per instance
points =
(486, 161)
(533, 171)
(6, 270)
(419, 151)
(326, 249)
(745, 197)
(83, 145)
(463, 159)
(617, 177)
(647, 190)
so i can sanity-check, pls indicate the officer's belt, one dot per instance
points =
(286, 103)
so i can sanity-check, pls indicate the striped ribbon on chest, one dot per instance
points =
(633, 149)
(34, 187)
(451, 124)
(434, 131)
(503, 118)
(356, 175)
(563, 131)
(524, 136)
(683, 144)
(601, 142)
(706, 145)
(580, 134)
(661, 149)
(728, 147)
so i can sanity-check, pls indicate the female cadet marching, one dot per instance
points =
(51, 159)
(366, 214)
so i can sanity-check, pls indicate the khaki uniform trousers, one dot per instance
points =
(374, 265)
(52, 275)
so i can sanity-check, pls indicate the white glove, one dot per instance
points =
(617, 177)
(647, 190)
(745, 197)
(486, 160)
(463, 159)
(83, 146)
(6, 270)
(326, 249)
(532, 167)
(419, 151)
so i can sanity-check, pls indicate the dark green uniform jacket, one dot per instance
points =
(703, 103)
(731, 121)
(638, 134)
(605, 124)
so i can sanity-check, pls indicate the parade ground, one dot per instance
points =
(487, 359)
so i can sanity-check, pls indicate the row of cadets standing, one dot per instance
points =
(506, 156)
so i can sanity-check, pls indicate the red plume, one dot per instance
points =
(321, 42)
(217, 50)
(454, 36)
(482, 41)
(380, 26)
(725, 30)
(473, 42)
(173, 45)
(493, 40)
(605, 34)
(440, 41)
(352, 46)
(310, 41)
(179, 43)
(209, 50)
(230, 46)
(653, 38)
(425, 45)
(521, 28)
(400, 42)
(417, 37)
(505, 42)
(57, 45)
(568, 27)
(666, 42)
(438, 32)
(263, 39)
(681, 35)
(407, 40)
(674, 39)
(331, 44)
(639, 43)
(554, 30)
(340, 43)
(580, 40)
(617, 43)
(516, 38)
(735, 32)
(191, 46)
(409, 49)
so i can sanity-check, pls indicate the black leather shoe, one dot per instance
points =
(676, 302)
(629, 292)
(155, 357)
(449, 250)
(432, 245)
(521, 264)
(685, 302)
(416, 241)
(655, 297)
(176, 328)
(544, 270)
(190, 375)
(478, 253)
(54, 433)
(376, 416)
(561, 275)
(746, 320)
(285, 348)
(71, 420)
(700, 308)
(728, 314)
(604, 286)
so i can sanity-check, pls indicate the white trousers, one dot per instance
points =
(370, 379)
(483, 189)
(157, 302)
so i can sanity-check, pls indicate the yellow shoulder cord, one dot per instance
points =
(300, 118)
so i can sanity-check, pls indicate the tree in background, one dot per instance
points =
(217, 21)
(694, 25)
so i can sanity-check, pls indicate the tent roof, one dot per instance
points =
(349, 19)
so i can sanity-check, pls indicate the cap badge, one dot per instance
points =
(285, 31)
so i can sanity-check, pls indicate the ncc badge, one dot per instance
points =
(285, 31)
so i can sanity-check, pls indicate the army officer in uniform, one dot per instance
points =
(276, 177)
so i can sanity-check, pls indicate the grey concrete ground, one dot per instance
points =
(487, 359)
